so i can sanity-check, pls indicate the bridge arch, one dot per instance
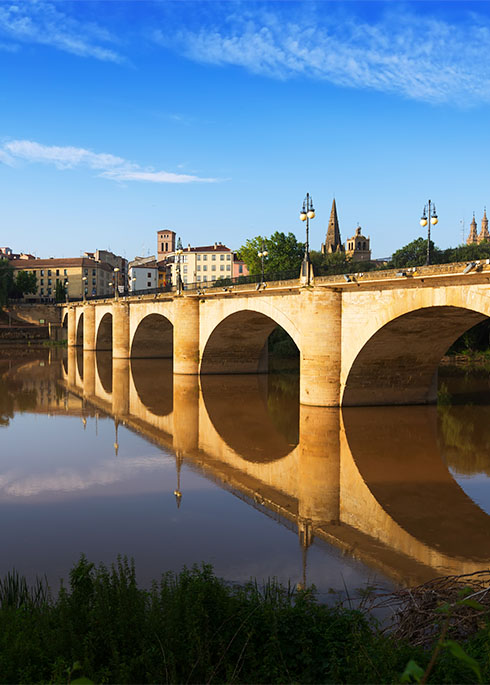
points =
(79, 329)
(238, 343)
(153, 338)
(103, 338)
(398, 363)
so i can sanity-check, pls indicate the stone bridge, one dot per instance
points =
(363, 339)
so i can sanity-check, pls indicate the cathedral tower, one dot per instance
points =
(332, 239)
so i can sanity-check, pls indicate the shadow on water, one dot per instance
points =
(153, 380)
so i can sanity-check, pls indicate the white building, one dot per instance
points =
(143, 277)
(202, 264)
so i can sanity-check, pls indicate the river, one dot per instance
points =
(124, 458)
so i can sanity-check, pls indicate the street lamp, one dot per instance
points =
(116, 282)
(84, 287)
(429, 217)
(179, 280)
(262, 255)
(307, 213)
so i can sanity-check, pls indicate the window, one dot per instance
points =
(222, 257)
(185, 279)
(199, 267)
(228, 267)
(198, 257)
(240, 268)
(222, 268)
(49, 281)
(65, 272)
(49, 272)
(214, 267)
(161, 249)
(42, 291)
(49, 291)
(149, 284)
(205, 268)
(185, 258)
(198, 278)
(204, 257)
(149, 274)
(57, 272)
(228, 257)
(42, 272)
(185, 268)
(94, 282)
(42, 281)
(205, 278)
(213, 257)
(85, 272)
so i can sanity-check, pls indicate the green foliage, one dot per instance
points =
(60, 292)
(285, 254)
(192, 627)
(25, 283)
(415, 254)
(6, 281)
(338, 263)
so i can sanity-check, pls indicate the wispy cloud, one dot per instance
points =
(109, 166)
(37, 21)
(447, 62)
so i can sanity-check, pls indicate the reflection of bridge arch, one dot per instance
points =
(153, 382)
(103, 340)
(396, 487)
(153, 338)
(103, 361)
(397, 363)
(248, 428)
(238, 343)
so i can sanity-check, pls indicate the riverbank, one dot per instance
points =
(194, 628)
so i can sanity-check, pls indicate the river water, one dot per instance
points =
(124, 458)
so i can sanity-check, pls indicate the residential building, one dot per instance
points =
(76, 274)
(239, 268)
(143, 276)
(114, 261)
(201, 264)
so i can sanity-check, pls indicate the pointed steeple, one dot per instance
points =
(332, 239)
(484, 234)
(473, 236)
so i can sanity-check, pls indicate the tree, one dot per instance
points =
(415, 254)
(6, 281)
(60, 292)
(25, 283)
(285, 254)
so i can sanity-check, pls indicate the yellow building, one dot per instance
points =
(76, 274)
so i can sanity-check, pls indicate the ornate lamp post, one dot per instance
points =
(116, 282)
(84, 288)
(307, 213)
(179, 253)
(429, 217)
(262, 256)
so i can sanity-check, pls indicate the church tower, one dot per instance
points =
(473, 236)
(484, 234)
(332, 239)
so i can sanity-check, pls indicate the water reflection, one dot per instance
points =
(372, 482)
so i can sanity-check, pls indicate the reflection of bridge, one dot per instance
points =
(368, 481)
(376, 339)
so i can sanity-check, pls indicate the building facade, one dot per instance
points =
(79, 276)
(357, 248)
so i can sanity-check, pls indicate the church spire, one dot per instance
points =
(484, 234)
(473, 236)
(332, 239)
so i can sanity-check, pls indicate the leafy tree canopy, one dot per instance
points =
(285, 253)
(14, 286)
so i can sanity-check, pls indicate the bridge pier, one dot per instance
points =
(320, 348)
(186, 335)
(88, 373)
(88, 328)
(120, 330)
(120, 387)
(72, 327)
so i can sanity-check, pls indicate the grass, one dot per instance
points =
(192, 627)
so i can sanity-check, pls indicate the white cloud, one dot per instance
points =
(36, 21)
(443, 63)
(109, 166)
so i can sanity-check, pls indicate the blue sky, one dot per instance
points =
(215, 119)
